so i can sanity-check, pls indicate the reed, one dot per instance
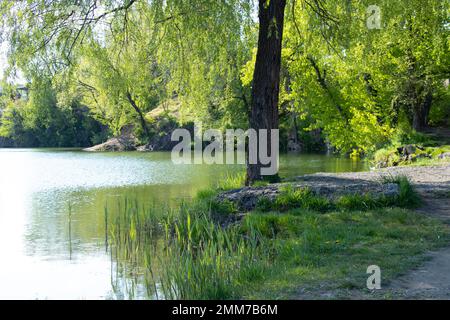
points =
(182, 253)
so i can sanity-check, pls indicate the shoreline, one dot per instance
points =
(429, 181)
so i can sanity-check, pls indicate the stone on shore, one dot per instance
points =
(332, 188)
(114, 144)
(445, 155)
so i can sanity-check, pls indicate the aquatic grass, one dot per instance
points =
(70, 231)
(206, 194)
(133, 227)
(184, 253)
(214, 264)
(200, 259)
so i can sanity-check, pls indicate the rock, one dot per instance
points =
(145, 148)
(247, 198)
(391, 189)
(294, 146)
(407, 150)
(126, 143)
(445, 155)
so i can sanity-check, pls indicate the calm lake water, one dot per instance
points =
(43, 256)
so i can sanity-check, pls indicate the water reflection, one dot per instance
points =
(47, 255)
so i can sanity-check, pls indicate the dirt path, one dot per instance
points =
(432, 279)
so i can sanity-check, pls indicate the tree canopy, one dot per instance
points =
(358, 84)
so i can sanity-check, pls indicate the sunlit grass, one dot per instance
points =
(334, 249)
(187, 253)
(231, 181)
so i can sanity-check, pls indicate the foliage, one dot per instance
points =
(148, 52)
(355, 86)
(360, 84)
(42, 121)
(408, 196)
(390, 156)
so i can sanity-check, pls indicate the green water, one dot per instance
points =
(44, 256)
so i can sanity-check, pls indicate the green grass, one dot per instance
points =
(426, 157)
(334, 249)
(185, 253)
(428, 162)
(230, 182)
(302, 242)
(408, 197)
(205, 261)
(304, 198)
(359, 202)
(300, 198)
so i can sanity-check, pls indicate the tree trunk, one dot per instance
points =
(266, 77)
(421, 111)
(141, 115)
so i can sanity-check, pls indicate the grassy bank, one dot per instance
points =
(413, 149)
(319, 253)
(422, 156)
(286, 249)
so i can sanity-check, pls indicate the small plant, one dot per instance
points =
(223, 207)
(264, 204)
(290, 198)
(230, 182)
(358, 202)
(206, 194)
(261, 183)
(318, 203)
(408, 196)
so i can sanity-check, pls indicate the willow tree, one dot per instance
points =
(38, 27)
